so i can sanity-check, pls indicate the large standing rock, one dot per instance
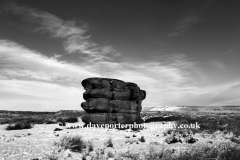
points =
(111, 101)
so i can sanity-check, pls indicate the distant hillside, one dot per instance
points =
(71, 112)
(162, 108)
(147, 108)
(25, 112)
(197, 109)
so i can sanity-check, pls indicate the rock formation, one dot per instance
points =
(111, 101)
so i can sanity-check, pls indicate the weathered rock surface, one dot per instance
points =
(111, 101)
(95, 105)
(111, 118)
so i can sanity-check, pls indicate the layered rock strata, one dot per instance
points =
(111, 101)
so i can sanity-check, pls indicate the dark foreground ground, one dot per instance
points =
(36, 135)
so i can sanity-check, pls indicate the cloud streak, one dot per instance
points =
(193, 14)
(184, 24)
(18, 61)
(73, 33)
(29, 78)
(165, 79)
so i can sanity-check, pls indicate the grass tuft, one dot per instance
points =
(19, 126)
(142, 139)
(222, 151)
(109, 143)
(73, 143)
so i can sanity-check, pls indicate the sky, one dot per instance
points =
(181, 52)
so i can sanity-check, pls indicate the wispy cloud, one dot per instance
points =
(166, 79)
(193, 14)
(20, 62)
(181, 27)
(31, 81)
(218, 94)
(74, 34)
(30, 78)
(35, 95)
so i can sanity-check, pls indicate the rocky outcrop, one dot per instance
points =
(111, 101)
